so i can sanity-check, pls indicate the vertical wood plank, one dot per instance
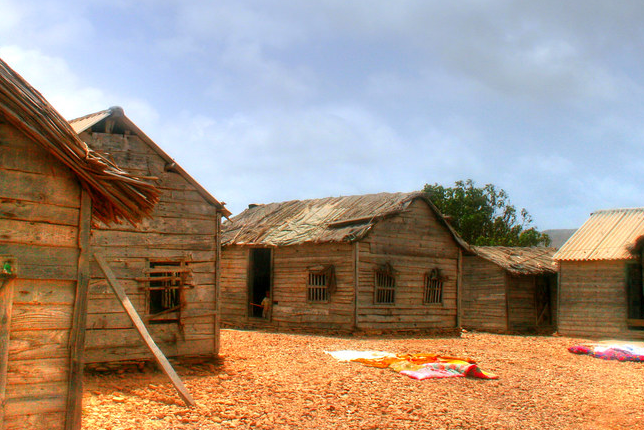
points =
(143, 331)
(218, 284)
(79, 319)
(506, 279)
(459, 288)
(6, 304)
(356, 254)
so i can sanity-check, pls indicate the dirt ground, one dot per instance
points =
(272, 380)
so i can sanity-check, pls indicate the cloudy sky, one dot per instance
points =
(267, 101)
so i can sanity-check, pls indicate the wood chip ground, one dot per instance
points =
(274, 380)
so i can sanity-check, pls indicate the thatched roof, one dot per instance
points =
(116, 195)
(116, 113)
(520, 260)
(331, 219)
(609, 234)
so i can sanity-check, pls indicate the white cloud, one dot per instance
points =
(44, 23)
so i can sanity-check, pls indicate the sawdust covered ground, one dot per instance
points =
(272, 380)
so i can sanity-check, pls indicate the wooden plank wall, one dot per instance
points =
(522, 310)
(290, 277)
(39, 215)
(413, 243)
(234, 284)
(592, 300)
(183, 225)
(483, 295)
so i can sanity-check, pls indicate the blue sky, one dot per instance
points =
(267, 101)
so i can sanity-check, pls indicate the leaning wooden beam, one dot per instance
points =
(145, 335)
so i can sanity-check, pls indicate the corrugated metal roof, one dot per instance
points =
(607, 235)
(520, 260)
(330, 219)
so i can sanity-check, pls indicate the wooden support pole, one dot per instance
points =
(143, 331)
(356, 282)
(6, 305)
(218, 284)
(79, 319)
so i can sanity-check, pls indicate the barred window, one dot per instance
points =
(385, 286)
(433, 291)
(317, 287)
(166, 280)
(321, 284)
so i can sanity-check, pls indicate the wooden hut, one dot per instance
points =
(509, 289)
(600, 280)
(167, 264)
(52, 187)
(371, 262)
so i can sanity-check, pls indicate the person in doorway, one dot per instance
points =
(266, 305)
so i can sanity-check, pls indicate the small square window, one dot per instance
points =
(385, 286)
(433, 289)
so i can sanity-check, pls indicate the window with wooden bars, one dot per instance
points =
(317, 290)
(433, 288)
(385, 286)
(166, 281)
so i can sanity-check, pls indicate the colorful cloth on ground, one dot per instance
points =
(448, 370)
(350, 355)
(619, 352)
(417, 366)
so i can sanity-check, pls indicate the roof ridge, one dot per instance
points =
(89, 115)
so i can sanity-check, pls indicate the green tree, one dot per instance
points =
(484, 216)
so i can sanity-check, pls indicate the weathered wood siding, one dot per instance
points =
(183, 225)
(234, 284)
(39, 218)
(413, 243)
(483, 295)
(592, 300)
(522, 311)
(290, 268)
(290, 277)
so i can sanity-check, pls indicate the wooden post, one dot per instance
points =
(6, 305)
(356, 283)
(459, 289)
(506, 281)
(77, 335)
(218, 284)
(143, 331)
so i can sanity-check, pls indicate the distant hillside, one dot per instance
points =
(559, 236)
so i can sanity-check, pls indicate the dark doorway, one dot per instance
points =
(259, 279)
(544, 300)
(635, 294)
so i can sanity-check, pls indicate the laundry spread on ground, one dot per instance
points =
(616, 351)
(416, 366)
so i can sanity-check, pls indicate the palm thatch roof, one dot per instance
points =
(520, 260)
(330, 219)
(116, 195)
(116, 113)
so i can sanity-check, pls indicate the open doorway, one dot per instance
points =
(259, 282)
(545, 296)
